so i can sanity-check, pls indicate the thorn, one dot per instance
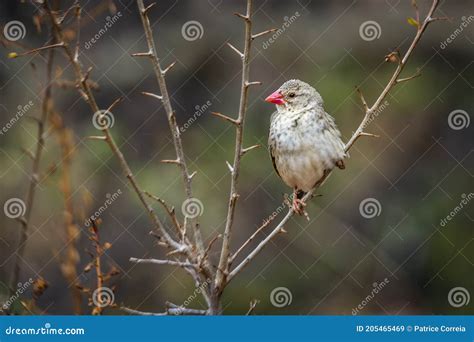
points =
(15, 55)
(28, 153)
(236, 50)
(163, 72)
(116, 102)
(263, 33)
(247, 84)
(229, 166)
(171, 161)
(142, 54)
(245, 150)
(415, 75)
(362, 99)
(149, 7)
(365, 134)
(242, 16)
(192, 175)
(225, 117)
(152, 95)
(97, 137)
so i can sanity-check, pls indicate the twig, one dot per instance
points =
(175, 132)
(171, 311)
(224, 260)
(358, 133)
(30, 196)
(162, 262)
(88, 96)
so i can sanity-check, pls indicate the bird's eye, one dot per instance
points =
(291, 94)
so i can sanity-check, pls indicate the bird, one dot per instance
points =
(304, 141)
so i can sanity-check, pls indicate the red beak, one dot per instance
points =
(276, 98)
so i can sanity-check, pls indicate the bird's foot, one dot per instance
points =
(299, 207)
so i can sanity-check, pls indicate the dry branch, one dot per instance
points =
(369, 111)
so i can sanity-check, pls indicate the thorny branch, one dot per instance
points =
(369, 113)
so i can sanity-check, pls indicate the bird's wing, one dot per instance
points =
(271, 147)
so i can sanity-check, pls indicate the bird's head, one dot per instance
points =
(294, 96)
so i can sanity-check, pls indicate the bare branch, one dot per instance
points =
(237, 51)
(227, 118)
(175, 132)
(162, 262)
(248, 149)
(263, 33)
(358, 133)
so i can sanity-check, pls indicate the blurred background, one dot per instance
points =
(376, 242)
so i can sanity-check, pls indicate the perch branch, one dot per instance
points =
(358, 133)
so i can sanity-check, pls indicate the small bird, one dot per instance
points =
(304, 142)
